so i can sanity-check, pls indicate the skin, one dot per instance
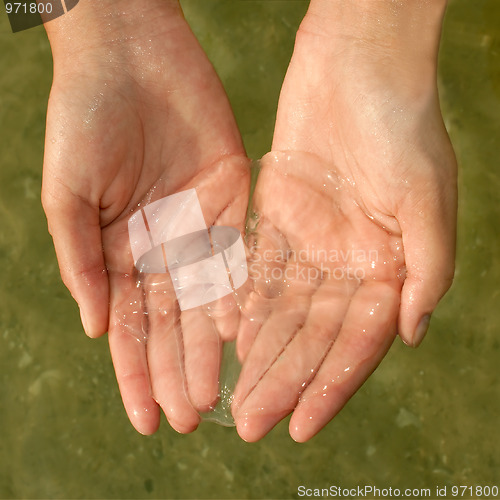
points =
(375, 171)
(137, 113)
(134, 116)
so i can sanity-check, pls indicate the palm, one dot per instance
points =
(327, 282)
(129, 134)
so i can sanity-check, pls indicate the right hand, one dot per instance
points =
(136, 110)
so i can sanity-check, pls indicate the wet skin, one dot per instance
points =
(375, 172)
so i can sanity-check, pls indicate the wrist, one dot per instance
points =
(108, 27)
(383, 21)
(386, 41)
(399, 27)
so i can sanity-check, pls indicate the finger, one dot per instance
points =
(429, 234)
(268, 251)
(129, 356)
(225, 316)
(166, 353)
(367, 332)
(229, 206)
(255, 311)
(75, 228)
(288, 315)
(202, 358)
(277, 392)
(229, 209)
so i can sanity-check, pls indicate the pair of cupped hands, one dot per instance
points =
(360, 165)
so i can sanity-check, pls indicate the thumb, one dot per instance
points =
(75, 228)
(429, 234)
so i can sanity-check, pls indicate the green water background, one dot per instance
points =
(427, 417)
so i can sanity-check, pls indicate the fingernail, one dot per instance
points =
(421, 330)
(84, 322)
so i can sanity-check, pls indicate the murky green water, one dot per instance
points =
(425, 418)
